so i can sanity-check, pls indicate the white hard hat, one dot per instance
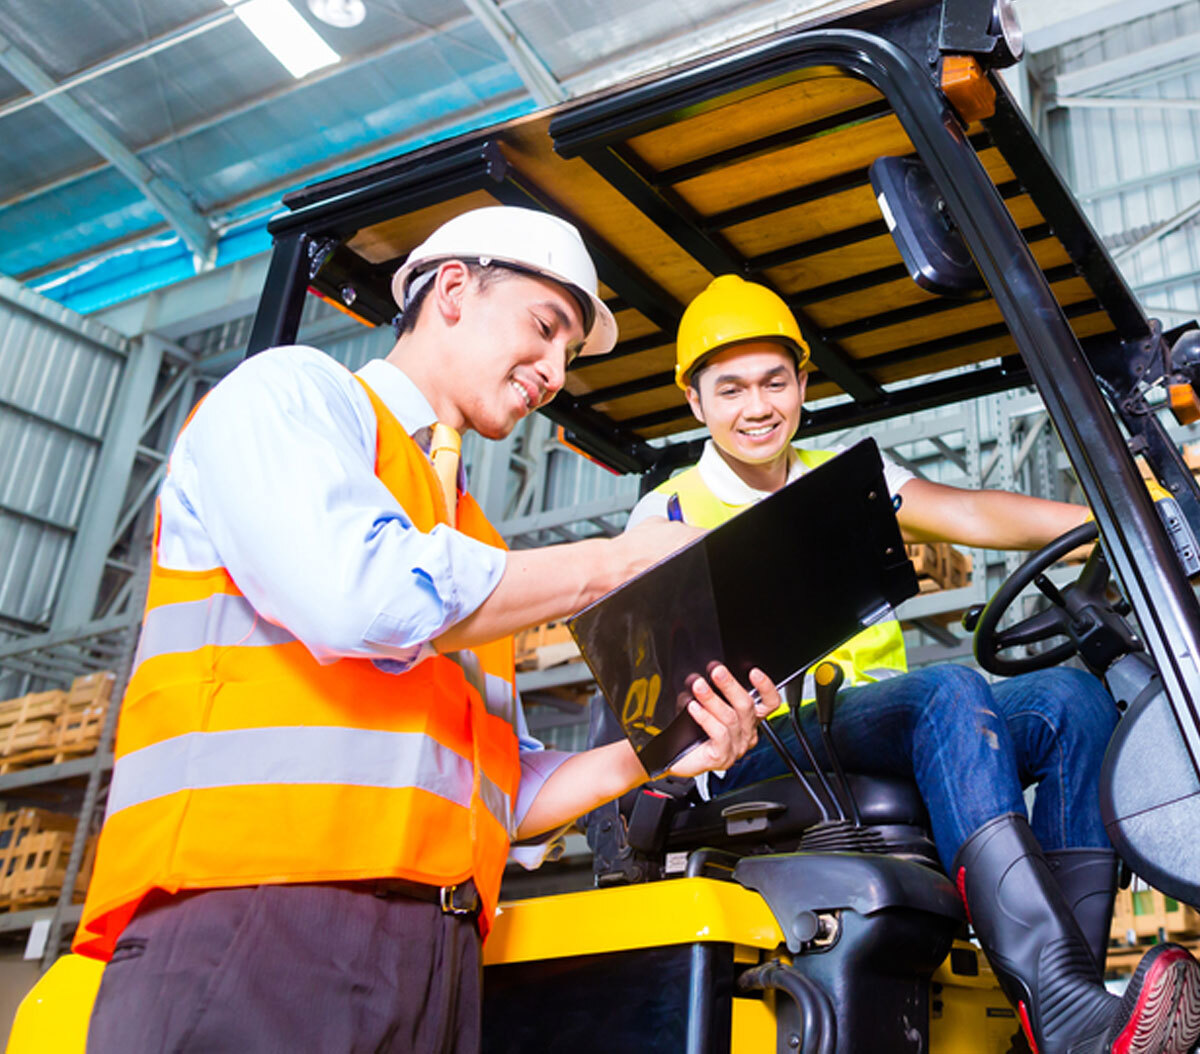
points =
(528, 240)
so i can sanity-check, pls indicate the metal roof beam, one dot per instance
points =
(1052, 25)
(209, 299)
(9, 407)
(193, 228)
(142, 51)
(1121, 102)
(1136, 64)
(1139, 182)
(530, 66)
(1160, 232)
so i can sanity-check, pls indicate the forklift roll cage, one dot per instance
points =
(344, 237)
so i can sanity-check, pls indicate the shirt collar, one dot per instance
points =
(727, 486)
(399, 394)
(406, 403)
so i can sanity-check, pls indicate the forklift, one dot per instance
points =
(873, 169)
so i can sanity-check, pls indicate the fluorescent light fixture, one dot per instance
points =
(285, 34)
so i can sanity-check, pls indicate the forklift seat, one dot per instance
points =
(780, 807)
(632, 837)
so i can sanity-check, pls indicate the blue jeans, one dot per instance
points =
(970, 747)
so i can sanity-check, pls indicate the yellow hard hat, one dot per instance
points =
(731, 311)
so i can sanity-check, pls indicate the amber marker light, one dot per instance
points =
(967, 88)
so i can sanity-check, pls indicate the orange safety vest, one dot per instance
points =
(240, 760)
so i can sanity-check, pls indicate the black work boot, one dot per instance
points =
(1088, 880)
(1044, 965)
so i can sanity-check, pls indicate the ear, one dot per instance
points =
(449, 290)
(802, 382)
(693, 398)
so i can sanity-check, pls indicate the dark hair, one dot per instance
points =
(406, 320)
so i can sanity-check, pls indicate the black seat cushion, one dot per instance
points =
(883, 801)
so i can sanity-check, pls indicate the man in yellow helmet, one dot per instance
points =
(1039, 893)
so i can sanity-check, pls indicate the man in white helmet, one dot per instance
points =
(321, 759)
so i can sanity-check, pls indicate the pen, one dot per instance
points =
(674, 512)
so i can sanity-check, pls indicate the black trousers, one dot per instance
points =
(295, 968)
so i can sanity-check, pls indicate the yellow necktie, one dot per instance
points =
(444, 453)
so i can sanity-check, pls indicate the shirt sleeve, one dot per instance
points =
(537, 766)
(649, 505)
(276, 472)
(895, 475)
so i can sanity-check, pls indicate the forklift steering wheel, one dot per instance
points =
(1068, 614)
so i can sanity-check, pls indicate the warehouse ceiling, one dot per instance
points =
(147, 140)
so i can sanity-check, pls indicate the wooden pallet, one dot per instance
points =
(35, 706)
(939, 565)
(74, 733)
(1124, 958)
(46, 727)
(545, 646)
(35, 845)
(31, 820)
(39, 879)
(1147, 913)
(1144, 917)
(92, 689)
(27, 722)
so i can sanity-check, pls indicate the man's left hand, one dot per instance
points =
(730, 716)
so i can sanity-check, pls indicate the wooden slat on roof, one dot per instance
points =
(771, 181)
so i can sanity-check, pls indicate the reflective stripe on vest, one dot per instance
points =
(872, 655)
(241, 760)
(354, 756)
(228, 620)
(224, 620)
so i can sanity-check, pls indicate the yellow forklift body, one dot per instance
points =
(970, 1014)
(54, 1016)
(625, 917)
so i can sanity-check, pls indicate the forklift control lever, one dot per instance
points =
(828, 677)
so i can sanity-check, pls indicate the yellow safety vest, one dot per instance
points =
(875, 653)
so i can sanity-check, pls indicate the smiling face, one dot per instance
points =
(504, 347)
(749, 395)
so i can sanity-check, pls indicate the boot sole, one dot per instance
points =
(1162, 1006)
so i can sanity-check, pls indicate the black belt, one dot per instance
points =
(453, 900)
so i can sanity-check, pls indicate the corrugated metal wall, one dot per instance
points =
(57, 386)
(1135, 165)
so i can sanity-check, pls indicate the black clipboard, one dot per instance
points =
(779, 586)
